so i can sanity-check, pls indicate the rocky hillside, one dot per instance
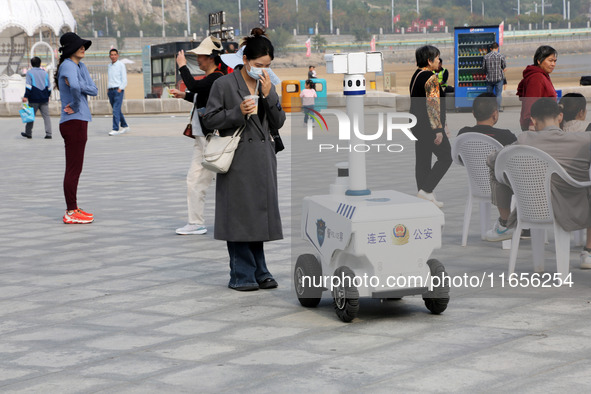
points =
(175, 9)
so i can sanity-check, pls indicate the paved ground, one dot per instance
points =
(126, 306)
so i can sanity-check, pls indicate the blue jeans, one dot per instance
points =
(247, 264)
(116, 99)
(307, 111)
(497, 89)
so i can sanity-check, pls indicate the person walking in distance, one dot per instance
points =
(37, 93)
(198, 178)
(73, 81)
(116, 84)
(494, 65)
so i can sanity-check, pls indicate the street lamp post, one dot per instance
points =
(188, 19)
(163, 31)
(240, 17)
(392, 18)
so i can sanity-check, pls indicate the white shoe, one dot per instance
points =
(499, 233)
(124, 130)
(114, 132)
(191, 229)
(429, 197)
(585, 260)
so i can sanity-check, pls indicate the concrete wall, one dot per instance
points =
(159, 106)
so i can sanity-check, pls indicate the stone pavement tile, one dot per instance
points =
(9, 375)
(65, 295)
(278, 355)
(437, 377)
(53, 314)
(15, 291)
(345, 343)
(119, 302)
(192, 327)
(186, 307)
(59, 357)
(197, 349)
(126, 341)
(16, 306)
(123, 320)
(571, 378)
(62, 383)
(217, 377)
(134, 367)
(110, 286)
(523, 318)
(269, 335)
(52, 335)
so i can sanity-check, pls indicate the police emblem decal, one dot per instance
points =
(320, 231)
(400, 235)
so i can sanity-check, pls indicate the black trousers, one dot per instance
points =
(428, 176)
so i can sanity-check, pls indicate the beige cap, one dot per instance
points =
(207, 46)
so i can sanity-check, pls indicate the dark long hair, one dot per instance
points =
(257, 45)
(57, 70)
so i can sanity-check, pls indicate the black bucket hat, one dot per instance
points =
(71, 42)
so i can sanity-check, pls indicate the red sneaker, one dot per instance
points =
(84, 213)
(74, 217)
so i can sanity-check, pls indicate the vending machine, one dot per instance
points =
(471, 44)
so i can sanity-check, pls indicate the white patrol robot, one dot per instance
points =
(367, 244)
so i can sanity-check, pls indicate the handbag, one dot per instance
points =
(27, 113)
(219, 151)
(188, 132)
(278, 142)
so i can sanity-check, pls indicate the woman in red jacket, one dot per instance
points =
(536, 83)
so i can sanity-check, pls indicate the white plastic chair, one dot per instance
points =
(471, 150)
(528, 171)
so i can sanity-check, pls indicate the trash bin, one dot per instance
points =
(290, 96)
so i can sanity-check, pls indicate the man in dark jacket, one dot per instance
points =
(37, 94)
(487, 115)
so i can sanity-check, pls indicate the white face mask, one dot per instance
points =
(256, 72)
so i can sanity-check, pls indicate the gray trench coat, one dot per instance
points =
(246, 201)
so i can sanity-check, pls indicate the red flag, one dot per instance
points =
(397, 18)
(372, 44)
(308, 47)
(501, 32)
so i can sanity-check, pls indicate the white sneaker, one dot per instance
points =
(124, 130)
(191, 229)
(499, 233)
(585, 260)
(429, 197)
(114, 132)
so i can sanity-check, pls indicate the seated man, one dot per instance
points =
(572, 152)
(486, 112)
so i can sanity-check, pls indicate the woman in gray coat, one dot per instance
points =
(247, 206)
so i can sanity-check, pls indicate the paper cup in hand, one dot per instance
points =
(256, 101)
